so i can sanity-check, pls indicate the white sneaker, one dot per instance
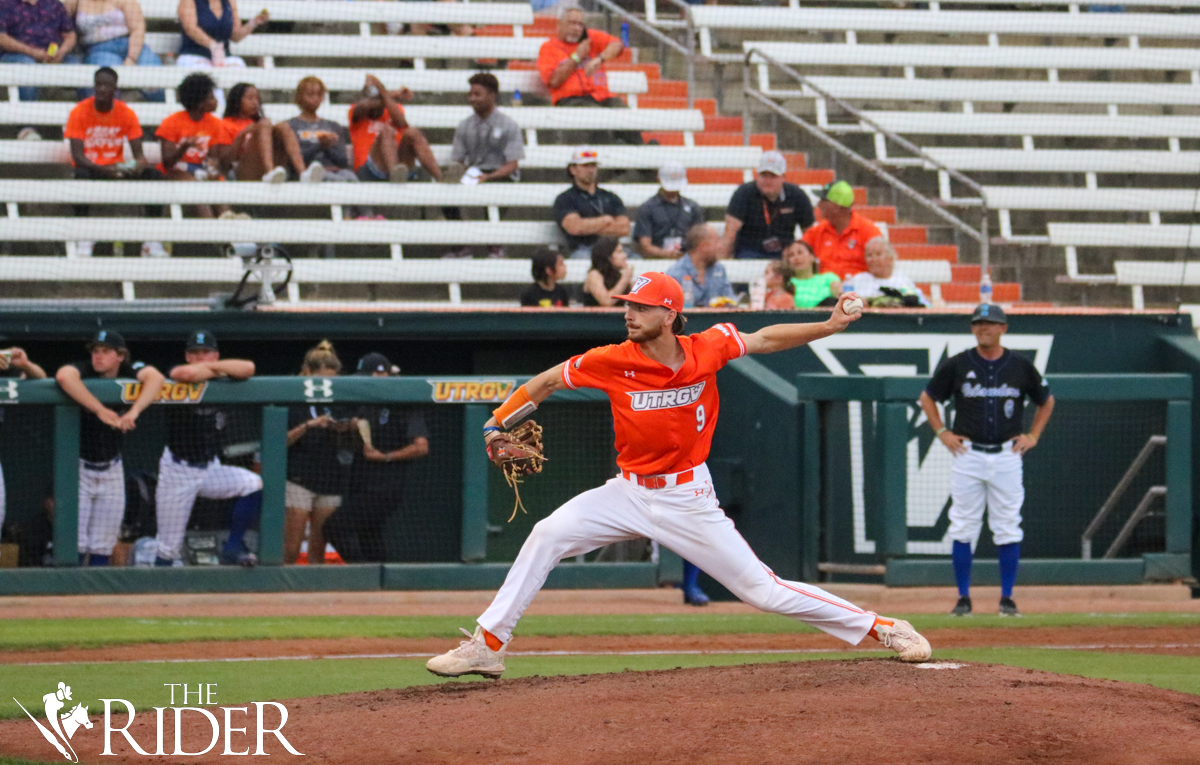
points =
(472, 657)
(314, 174)
(277, 175)
(904, 640)
(154, 250)
(84, 249)
(399, 173)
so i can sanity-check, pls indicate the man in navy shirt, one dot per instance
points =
(763, 215)
(585, 212)
(989, 385)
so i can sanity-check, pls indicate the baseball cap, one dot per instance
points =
(373, 363)
(672, 177)
(202, 338)
(108, 338)
(655, 288)
(772, 162)
(989, 312)
(585, 155)
(838, 192)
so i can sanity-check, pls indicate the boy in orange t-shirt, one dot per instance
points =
(188, 136)
(97, 130)
(386, 147)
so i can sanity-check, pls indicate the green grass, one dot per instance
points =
(31, 634)
(1178, 673)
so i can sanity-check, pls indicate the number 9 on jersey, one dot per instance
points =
(700, 418)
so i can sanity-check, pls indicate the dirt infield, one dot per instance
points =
(856, 712)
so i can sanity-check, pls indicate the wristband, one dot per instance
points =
(490, 429)
(518, 406)
(575, 57)
(939, 432)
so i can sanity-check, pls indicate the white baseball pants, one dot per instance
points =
(995, 481)
(178, 486)
(101, 507)
(686, 519)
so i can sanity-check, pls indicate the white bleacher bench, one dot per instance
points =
(1137, 274)
(1124, 235)
(530, 118)
(988, 125)
(453, 273)
(640, 157)
(517, 14)
(1058, 160)
(1107, 200)
(286, 79)
(1051, 58)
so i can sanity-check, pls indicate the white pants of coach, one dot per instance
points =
(179, 483)
(686, 519)
(101, 505)
(994, 481)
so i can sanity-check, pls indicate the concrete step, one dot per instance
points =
(959, 292)
(711, 138)
(904, 234)
(947, 252)
(707, 106)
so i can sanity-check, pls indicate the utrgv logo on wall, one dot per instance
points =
(61, 726)
(929, 463)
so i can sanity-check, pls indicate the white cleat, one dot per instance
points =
(904, 640)
(472, 657)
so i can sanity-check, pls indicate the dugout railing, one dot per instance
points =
(876, 481)
(579, 441)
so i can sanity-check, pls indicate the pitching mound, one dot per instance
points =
(863, 711)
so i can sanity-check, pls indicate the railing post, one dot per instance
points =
(475, 483)
(810, 490)
(66, 485)
(745, 104)
(893, 439)
(1179, 477)
(273, 461)
(691, 57)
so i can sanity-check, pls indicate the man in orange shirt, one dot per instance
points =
(386, 147)
(97, 130)
(662, 387)
(572, 66)
(840, 238)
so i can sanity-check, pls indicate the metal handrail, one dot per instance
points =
(688, 51)
(980, 236)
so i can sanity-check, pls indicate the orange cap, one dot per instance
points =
(655, 288)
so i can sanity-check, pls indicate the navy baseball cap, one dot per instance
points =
(202, 339)
(374, 363)
(989, 312)
(107, 338)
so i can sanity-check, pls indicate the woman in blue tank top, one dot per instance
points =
(208, 28)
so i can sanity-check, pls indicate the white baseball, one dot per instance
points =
(852, 306)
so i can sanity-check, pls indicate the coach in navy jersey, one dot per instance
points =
(989, 385)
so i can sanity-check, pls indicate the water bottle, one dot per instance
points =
(689, 293)
(985, 288)
(625, 33)
(758, 294)
(516, 100)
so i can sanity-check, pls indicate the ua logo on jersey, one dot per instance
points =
(645, 400)
(638, 283)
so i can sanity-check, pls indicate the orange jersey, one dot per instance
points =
(231, 126)
(843, 254)
(180, 125)
(664, 422)
(103, 133)
(364, 132)
(554, 51)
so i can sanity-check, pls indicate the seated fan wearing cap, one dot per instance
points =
(665, 218)
(840, 238)
(763, 215)
(585, 212)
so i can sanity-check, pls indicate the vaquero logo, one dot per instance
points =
(172, 392)
(458, 392)
(670, 398)
(638, 283)
(61, 726)
(1000, 391)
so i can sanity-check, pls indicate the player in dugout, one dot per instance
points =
(662, 386)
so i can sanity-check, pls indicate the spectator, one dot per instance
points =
(610, 274)
(549, 269)
(812, 289)
(840, 238)
(190, 466)
(572, 66)
(391, 439)
(111, 33)
(763, 215)
(254, 148)
(187, 137)
(487, 148)
(386, 147)
(97, 130)
(781, 293)
(101, 470)
(319, 442)
(700, 264)
(881, 285)
(207, 34)
(322, 141)
(585, 212)
(14, 364)
(34, 32)
(666, 217)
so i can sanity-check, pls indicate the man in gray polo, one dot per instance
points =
(665, 218)
(487, 149)
(701, 265)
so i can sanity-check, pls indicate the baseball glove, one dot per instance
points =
(518, 453)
